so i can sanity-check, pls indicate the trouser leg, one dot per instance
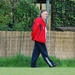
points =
(43, 50)
(35, 55)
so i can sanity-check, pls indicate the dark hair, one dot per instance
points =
(42, 12)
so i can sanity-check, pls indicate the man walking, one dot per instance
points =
(38, 35)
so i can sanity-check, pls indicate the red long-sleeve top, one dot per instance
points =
(39, 30)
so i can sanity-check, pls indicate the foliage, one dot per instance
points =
(17, 15)
(25, 61)
(63, 13)
(15, 61)
(5, 16)
(24, 15)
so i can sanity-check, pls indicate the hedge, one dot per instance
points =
(63, 13)
(20, 60)
(17, 15)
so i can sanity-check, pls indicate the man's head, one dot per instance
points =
(44, 14)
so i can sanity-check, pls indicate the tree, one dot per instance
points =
(17, 14)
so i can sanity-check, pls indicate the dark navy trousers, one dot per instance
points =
(40, 48)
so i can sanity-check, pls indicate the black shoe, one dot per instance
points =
(54, 65)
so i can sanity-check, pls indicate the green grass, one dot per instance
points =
(20, 65)
(37, 71)
(25, 61)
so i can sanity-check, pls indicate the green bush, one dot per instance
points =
(25, 61)
(15, 61)
(63, 13)
(17, 15)
(5, 17)
(25, 12)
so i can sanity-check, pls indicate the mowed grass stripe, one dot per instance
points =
(37, 71)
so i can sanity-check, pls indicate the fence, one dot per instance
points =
(62, 44)
(15, 42)
(59, 44)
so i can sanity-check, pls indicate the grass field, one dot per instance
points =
(37, 71)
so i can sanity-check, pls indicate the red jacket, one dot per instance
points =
(39, 30)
